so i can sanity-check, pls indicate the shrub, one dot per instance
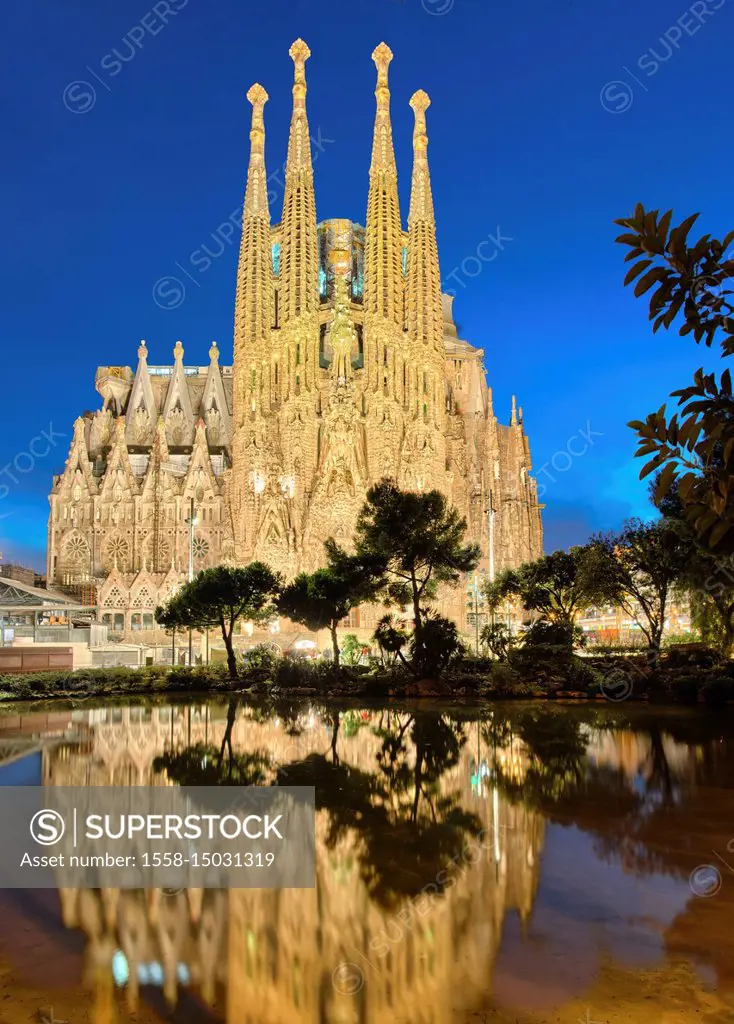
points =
(114, 680)
(563, 636)
(458, 677)
(503, 679)
(691, 656)
(683, 687)
(583, 676)
(717, 690)
(262, 658)
(436, 645)
(319, 674)
(499, 640)
(290, 672)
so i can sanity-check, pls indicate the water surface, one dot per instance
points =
(508, 863)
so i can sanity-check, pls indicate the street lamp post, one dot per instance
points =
(475, 591)
(490, 515)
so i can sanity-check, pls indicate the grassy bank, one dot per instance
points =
(683, 676)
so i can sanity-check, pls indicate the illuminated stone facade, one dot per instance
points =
(347, 368)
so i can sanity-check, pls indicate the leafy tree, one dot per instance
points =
(321, 599)
(390, 637)
(498, 639)
(221, 597)
(420, 539)
(694, 447)
(707, 579)
(556, 585)
(637, 569)
(498, 590)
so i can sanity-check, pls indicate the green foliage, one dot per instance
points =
(221, 597)
(420, 540)
(498, 590)
(556, 585)
(351, 649)
(321, 599)
(505, 681)
(436, 645)
(637, 569)
(674, 639)
(498, 639)
(690, 279)
(707, 579)
(319, 675)
(262, 658)
(390, 637)
(116, 680)
(561, 636)
(582, 675)
(694, 448)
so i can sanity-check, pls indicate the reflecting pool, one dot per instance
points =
(512, 863)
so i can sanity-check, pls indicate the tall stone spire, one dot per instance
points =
(424, 314)
(383, 276)
(299, 267)
(254, 299)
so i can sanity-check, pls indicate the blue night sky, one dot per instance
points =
(99, 204)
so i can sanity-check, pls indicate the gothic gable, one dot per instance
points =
(178, 414)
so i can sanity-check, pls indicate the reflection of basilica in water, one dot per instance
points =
(268, 956)
(431, 902)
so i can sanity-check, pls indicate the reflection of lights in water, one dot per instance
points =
(120, 970)
(155, 973)
(495, 822)
(148, 974)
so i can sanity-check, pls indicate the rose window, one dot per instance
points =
(201, 550)
(117, 553)
(77, 551)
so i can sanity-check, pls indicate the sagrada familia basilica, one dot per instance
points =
(347, 368)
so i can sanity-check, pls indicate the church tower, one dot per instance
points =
(347, 368)
(386, 356)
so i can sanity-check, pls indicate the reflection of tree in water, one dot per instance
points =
(205, 765)
(622, 810)
(658, 818)
(407, 829)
